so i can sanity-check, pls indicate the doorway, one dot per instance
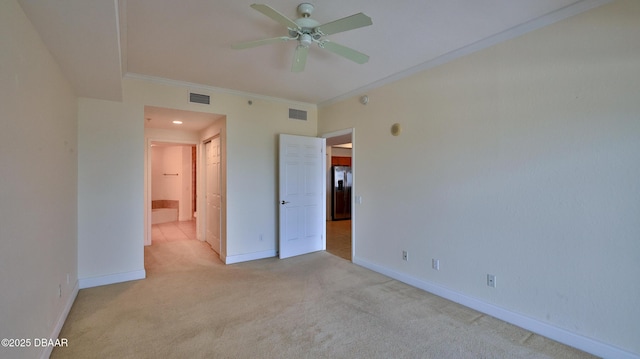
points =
(173, 182)
(340, 228)
(173, 127)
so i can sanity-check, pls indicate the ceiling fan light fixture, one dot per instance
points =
(305, 40)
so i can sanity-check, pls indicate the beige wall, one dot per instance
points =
(38, 178)
(250, 136)
(110, 192)
(521, 160)
(250, 140)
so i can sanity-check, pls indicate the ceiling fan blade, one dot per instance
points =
(345, 24)
(299, 58)
(275, 15)
(249, 44)
(346, 52)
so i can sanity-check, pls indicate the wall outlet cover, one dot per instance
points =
(491, 280)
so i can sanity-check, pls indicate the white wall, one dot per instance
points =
(110, 192)
(38, 177)
(166, 160)
(186, 184)
(251, 153)
(173, 164)
(522, 161)
(109, 130)
(157, 167)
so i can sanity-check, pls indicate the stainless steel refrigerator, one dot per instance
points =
(341, 192)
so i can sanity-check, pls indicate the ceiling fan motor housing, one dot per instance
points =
(306, 31)
(305, 9)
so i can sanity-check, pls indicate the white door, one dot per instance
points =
(302, 191)
(212, 151)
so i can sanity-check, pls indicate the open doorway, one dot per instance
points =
(340, 193)
(173, 191)
(174, 171)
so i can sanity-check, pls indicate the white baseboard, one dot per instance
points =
(558, 334)
(249, 257)
(46, 350)
(111, 279)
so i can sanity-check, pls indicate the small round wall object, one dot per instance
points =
(364, 99)
(396, 129)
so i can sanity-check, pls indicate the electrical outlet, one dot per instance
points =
(435, 264)
(405, 256)
(491, 280)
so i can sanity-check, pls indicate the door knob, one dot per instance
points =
(284, 202)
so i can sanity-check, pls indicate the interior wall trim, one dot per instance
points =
(563, 336)
(55, 333)
(249, 256)
(531, 25)
(111, 279)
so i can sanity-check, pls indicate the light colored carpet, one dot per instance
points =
(311, 306)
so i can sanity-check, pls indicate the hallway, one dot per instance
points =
(338, 235)
(173, 231)
(339, 238)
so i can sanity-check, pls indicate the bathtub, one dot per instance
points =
(163, 215)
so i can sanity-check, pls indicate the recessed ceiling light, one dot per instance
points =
(178, 122)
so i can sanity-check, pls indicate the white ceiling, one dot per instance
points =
(162, 118)
(98, 42)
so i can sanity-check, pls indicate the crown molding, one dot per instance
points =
(537, 23)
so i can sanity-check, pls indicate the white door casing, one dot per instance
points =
(213, 193)
(301, 195)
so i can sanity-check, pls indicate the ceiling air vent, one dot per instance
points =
(297, 114)
(199, 98)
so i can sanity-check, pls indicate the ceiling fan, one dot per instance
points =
(307, 31)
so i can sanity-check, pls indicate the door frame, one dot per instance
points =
(354, 191)
(148, 180)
